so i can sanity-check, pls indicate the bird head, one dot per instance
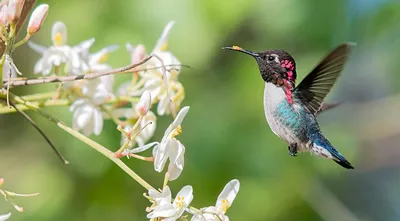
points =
(276, 66)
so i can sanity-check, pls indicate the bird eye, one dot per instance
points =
(270, 58)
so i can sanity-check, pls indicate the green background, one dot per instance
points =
(225, 132)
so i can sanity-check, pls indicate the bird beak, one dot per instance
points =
(237, 48)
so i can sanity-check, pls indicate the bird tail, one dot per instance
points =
(322, 147)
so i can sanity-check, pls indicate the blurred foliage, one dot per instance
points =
(225, 133)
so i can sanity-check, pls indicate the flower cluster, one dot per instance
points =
(163, 208)
(94, 100)
(160, 77)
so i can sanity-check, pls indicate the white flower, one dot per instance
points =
(5, 216)
(58, 55)
(163, 207)
(224, 201)
(87, 115)
(162, 89)
(169, 148)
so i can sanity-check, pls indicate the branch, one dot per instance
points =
(26, 10)
(41, 133)
(54, 79)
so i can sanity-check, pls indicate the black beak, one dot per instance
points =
(237, 48)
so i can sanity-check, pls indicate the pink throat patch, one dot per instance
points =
(289, 67)
(287, 88)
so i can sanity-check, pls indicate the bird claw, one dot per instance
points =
(292, 150)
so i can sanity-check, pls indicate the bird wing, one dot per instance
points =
(316, 85)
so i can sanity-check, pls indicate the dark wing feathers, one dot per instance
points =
(316, 85)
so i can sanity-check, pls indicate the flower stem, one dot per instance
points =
(1, 70)
(48, 103)
(23, 41)
(107, 153)
(40, 96)
(129, 139)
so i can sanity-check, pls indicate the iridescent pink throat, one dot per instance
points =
(287, 84)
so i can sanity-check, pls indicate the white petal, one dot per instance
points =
(59, 28)
(181, 115)
(229, 192)
(173, 218)
(149, 130)
(164, 36)
(160, 155)
(84, 116)
(187, 193)
(143, 148)
(5, 216)
(161, 198)
(154, 194)
(163, 106)
(166, 210)
(95, 58)
(98, 122)
(129, 47)
(178, 120)
(198, 217)
(8, 69)
(84, 45)
(37, 47)
(168, 59)
(177, 160)
(38, 67)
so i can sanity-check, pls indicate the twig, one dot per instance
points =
(54, 79)
(43, 80)
(41, 132)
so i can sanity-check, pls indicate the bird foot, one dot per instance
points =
(292, 150)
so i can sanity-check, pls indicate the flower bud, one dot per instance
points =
(37, 19)
(1, 181)
(3, 16)
(138, 53)
(14, 10)
(144, 104)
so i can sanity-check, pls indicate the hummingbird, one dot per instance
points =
(292, 111)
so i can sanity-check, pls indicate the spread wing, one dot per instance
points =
(316, 85)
